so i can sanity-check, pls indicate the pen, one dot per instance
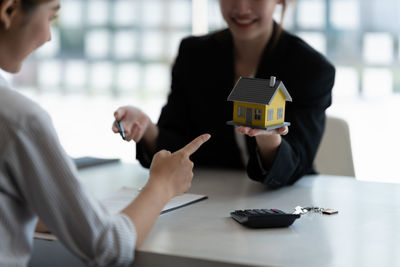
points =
(120, 129)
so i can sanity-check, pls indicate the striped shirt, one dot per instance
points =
(37, 178)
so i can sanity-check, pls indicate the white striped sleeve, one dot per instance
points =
(47, 181)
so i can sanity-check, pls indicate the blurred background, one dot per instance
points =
(107, 53)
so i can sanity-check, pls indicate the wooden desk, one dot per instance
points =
(364, 233)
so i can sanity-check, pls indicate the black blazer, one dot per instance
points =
(203, 77)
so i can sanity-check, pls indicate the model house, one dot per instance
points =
(259, 103)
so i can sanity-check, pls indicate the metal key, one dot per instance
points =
(300, 210)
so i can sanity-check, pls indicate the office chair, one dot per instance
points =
(334, 154)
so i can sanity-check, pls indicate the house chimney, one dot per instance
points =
(272, 81)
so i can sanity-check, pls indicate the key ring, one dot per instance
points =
(300, 210)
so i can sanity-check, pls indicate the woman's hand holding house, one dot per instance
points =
(257, 132)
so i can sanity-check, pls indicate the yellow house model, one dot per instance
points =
(259, 103)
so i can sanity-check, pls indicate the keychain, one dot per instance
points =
(300, 210)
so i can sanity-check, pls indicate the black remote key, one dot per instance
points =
(264, 218)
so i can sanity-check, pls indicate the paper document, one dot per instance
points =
(120, 199)
(123, 197)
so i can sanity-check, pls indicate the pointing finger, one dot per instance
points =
(192, 147)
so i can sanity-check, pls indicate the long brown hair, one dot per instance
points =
(280, 24)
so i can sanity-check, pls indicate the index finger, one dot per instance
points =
(192, 147)
(119, 114)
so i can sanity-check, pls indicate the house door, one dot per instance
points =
(249, 115)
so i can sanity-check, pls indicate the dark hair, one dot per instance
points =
(30, 5)
(280, 27)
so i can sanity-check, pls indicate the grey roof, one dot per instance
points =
(254, 90)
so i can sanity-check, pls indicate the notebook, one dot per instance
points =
(120, 199)
(85, 162)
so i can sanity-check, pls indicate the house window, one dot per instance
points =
(257, 114)
(240, 112)
(280, 113)
(270, 114)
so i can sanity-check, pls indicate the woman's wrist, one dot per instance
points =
(157, 187)
(268, 146)
(150, 137)
(268, 142)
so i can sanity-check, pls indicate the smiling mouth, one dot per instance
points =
(244, 23)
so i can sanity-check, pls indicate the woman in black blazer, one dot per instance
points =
(205, 72)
